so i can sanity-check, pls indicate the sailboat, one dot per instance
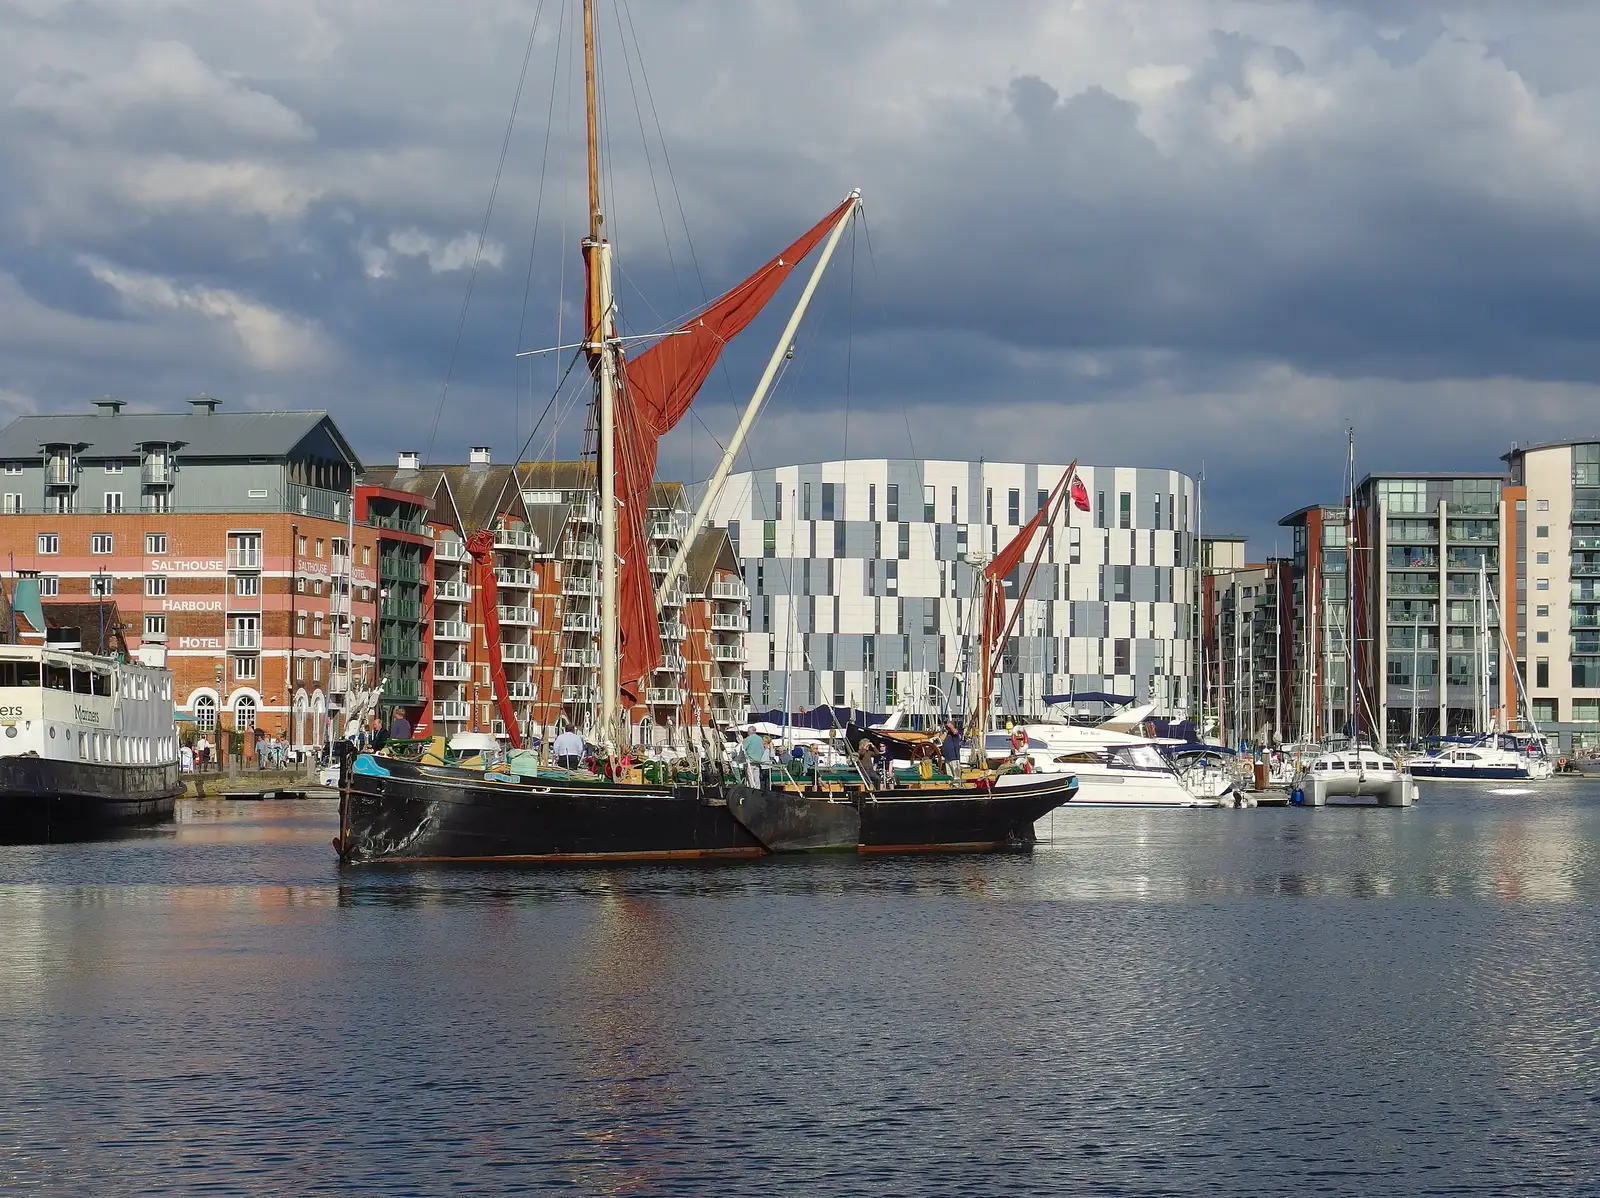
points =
(469, 801)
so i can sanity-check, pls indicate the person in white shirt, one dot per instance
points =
(568, 750)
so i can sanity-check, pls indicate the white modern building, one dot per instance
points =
(862, 581)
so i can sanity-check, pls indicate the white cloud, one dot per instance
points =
(270, 340)
(442, 256)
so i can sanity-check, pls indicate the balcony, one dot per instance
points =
(393, 521)
(585, 510)
(727, 653)
(577, 584)
(517, 615)
(676, 597)
(452, 671)
(339, 642)
(673, 528)
(1585, 570)
(728, 684)
(672, 630)
(729, 621)
(670, 664)
(513, 652)
(60, 471)
(452, 630)
(157, 472)
(521, 580)
(671, 695)
(452, 592)
(339, 564)
(579, 622)
(1583, 543)
(583, 549)
(730, 590)
(449, 549)
(521, 691)
(452, 710)
(399, 569)
(244, 561)
(246, 639)
(581, 659)
(399, 648)
(580, 694)
(660, 563)
(400, 609)
(515, 538)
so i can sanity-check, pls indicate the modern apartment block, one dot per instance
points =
(1318, 624)
(1249, 652)
(862, 580)
(226, 535)
(399, 520)
(1555, 553)
(450, 617)
(1431, 556)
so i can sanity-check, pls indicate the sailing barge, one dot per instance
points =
(472, 802)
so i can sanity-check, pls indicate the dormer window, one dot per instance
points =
(60, 468)
(156, 467)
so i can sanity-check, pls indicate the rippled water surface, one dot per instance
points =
(1253, 1002)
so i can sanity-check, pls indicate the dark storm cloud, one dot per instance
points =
(1118, 231)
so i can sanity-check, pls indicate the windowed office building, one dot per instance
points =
(862, 576)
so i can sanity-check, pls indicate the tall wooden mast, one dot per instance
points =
(597, 253)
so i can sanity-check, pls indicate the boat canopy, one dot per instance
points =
(1089, 697)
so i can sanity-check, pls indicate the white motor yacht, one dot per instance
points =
(1483, 761)
(1115, 769)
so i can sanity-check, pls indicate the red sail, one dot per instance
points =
(481, 546)
(659, 387)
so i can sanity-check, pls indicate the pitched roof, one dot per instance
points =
(214, 435)
(711, 551)
(478, 493)
(579, 475)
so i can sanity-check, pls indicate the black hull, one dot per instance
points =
(42, 801)
(961, 819)
(419, 814)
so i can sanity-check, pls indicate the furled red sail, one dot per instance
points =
(481, 546)
(658, 388)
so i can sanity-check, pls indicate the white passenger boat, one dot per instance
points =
(1482, 761)
(87, 743)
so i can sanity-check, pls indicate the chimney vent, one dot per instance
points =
(410, 459)
(109, 406)
(204, 405)
(480, 455)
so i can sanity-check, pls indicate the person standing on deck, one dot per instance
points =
(568, 750)
(951, 750)
(755, 757)
(401, 728)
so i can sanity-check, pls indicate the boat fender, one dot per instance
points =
(1298, 797)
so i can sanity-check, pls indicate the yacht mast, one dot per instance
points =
(598, 325)
(1352, 715)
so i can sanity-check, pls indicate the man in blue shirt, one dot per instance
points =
(951, 749)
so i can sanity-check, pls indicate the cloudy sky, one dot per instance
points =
(1159, 232)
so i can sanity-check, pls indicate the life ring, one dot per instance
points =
(1019, 739)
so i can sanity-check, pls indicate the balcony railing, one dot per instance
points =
(452, 710)
(156, 472)
(583, 549)
(673, 528)
(246, 560)
(400, 609)
(514, 538)
(522, 580)
(585, 509)
(724, 684)
(672, 630)
(244, 638)
(729, 622)
(512, 651)
(727, 653)
(339, 681)
(399, 648)
(59, 472)
(339, 564)
(452, 592)
(676, 597)
(729, 590)
(580, 694)
(452, 671)
(663, 694)
(1585, 571)
(660, 563)
(581, 659)
(577, 584)
(339, 642)
(580, 622)
(517, 615)
(521, 690)
(450, 550)
(671, 663)
(401, 569)
(452, 630)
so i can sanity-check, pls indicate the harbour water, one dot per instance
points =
(1233, 1002)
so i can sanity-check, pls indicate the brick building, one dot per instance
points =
(226, 535)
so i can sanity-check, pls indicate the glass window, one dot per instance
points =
(892, 505)
(155, 626)
(1541, 638)
(872, 501)
(1124, 510)
(827, 501)
(101, 543)
(1541, 530)
(1542, 610)
(155, 542)
(1541, 505)
(805, 501)
(1541, 672)
(49, 585)
(101, 585)
(1586, 711)
(1013, 507)
(49, 543)
(1586, 465)
(955, 507)
(155, 585)
(777, 501)
(1541, 559)
(927, 504)
(1541, 584)
(113, 502)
